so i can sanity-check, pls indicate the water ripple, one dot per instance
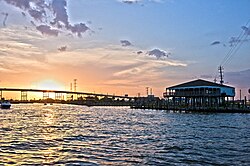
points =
(78, 135)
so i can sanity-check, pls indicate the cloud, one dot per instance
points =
(59, 9)
(206, 76)
(139, 52)
(47, 30)
(246, 29)
(62, 49)
(22, 4)
(130, 1)
(5, 18)
(158, 53)
(235, 40)
(215, 43)
(240, 80)
(126, 43)
(22, 52)
(20, 43)
(78, 29)
(137, 1)
(23, 14)
(50, 16)
(37, 15)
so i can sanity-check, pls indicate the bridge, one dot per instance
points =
(58, 93)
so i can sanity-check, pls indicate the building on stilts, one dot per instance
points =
(199, 94)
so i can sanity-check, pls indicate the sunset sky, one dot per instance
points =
(123, 46)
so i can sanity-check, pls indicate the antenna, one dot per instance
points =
(221, 74)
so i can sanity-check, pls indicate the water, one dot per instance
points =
(79, 135)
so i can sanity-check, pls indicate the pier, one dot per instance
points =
(196, 96)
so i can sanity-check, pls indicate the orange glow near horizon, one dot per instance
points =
(49, 84)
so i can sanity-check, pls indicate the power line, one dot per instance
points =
(237, 44)
(236, 49)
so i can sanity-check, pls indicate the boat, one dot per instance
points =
(5, 104)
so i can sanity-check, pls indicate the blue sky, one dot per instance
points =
(122, 46)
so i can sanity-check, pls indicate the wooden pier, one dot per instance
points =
(195, 109)
(196, 96)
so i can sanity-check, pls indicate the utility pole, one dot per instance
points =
(221, 74)
(151, 91)
(249, 95)
(240, 94)
(139, 94)
(147, 90)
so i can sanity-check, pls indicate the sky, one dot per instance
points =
(123, 46)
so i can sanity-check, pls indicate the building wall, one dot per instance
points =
(227, 90)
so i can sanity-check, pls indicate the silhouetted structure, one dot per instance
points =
(199, 93)
(58, 93)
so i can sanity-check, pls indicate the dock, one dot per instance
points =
(195, 109)
(196, 96)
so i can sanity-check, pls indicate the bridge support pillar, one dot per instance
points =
(45, 95)
(79, 96)
(24, 96)
(70, 96)
(58, 96)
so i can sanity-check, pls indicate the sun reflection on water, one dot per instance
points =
(67, 135)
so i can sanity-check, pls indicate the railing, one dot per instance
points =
(191, 93)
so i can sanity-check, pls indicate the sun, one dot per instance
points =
(49, 85)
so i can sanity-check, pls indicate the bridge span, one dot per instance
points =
(58, 93)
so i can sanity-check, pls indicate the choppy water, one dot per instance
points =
(78, 135)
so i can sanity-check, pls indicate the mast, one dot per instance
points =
(221, 75)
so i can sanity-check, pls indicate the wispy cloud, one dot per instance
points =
(104, 65)
(239, 78)
(116, 62)
(17, 52)
(206, 76)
